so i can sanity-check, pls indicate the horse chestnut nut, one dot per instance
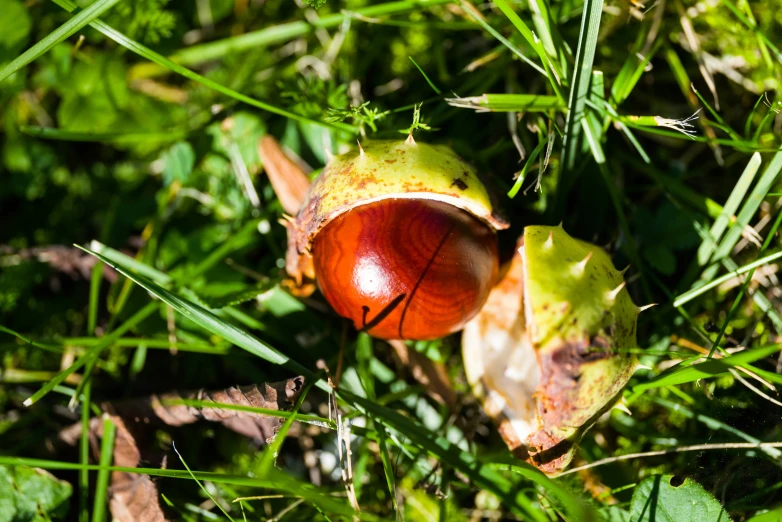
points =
(400, 238)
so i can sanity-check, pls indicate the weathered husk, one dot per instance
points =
(547, 353)
(382, 170)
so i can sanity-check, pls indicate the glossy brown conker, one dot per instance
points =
(406, 268)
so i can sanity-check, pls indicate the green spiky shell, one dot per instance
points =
(570, 299)
(576, 320)
(387, 169)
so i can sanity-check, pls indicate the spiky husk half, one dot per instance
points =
(547, 354)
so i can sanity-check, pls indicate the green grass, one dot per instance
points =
(61, 33)
(102, 482)
(129, 129)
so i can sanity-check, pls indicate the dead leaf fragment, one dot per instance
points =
(133, 497)
(288, 179)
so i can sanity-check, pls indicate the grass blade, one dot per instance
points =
(200, 485)
(58, 35)
(548, 32)
(283, 414)
(763, 186)
(728, 211)
(721, 255)
(102, 482)
(130, 263)
(747, 281)
(507, 43)
(93, 354)
(509, 103)
(552, 74)
(431, 84)
(631, 71)
(577, 509)
(84, 453)
(48, 133)
(482, 475)
(274, 34)
(365, 356)
(582, 74)
(706, 369)
(752, 26)
(279, 482)
(272, 450)
(92, 313)
(688, 296)
(212, 323)
(523, 174)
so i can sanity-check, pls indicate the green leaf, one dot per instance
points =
(774, 515)
(577, 509)
(28, 493)
(15, 26)
(96, 98)
(615, 514)
(657, 500)
(661, 259)
(178, 162)
(241, 136)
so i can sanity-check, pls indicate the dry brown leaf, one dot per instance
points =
(66, 259)
(290, 184)
(289, 181)
(271, 396)
(133, 497)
